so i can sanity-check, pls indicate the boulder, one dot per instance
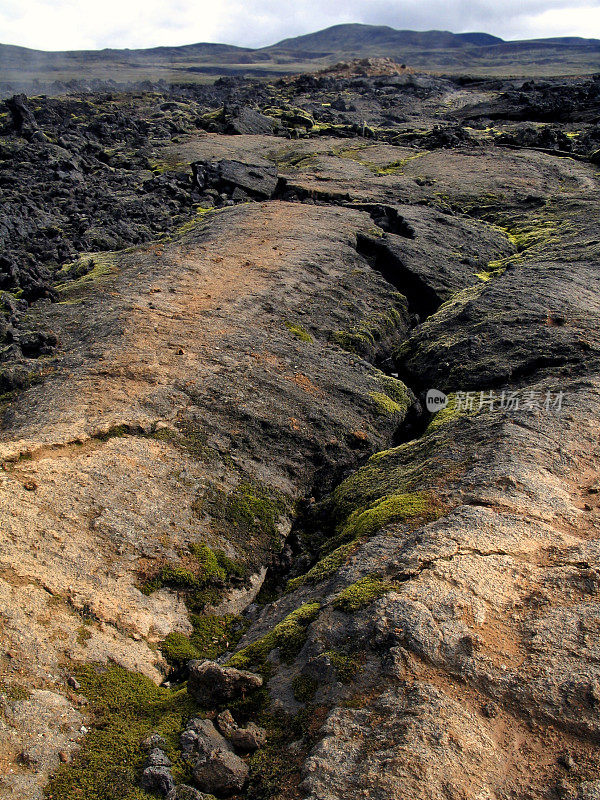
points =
(244, 120)
(158, 758)
(249, 738)
(257, 180)
(222, 772)
(215, 767)
(201, 737)
(211, 684)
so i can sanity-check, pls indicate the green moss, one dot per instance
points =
(345, 667)
(87, 269)
(211, 637)
(177, 648)
(323, 568)
(275, 769)
(190, 225)
(448, 414)
(126, 707)
(304, 688)
(288, 635)
(397, 167)
(204, 579)
(388, 510)
(14, 691)
(388, 489)
(291, 116)
(362, 339)
(250, 510)
(170, 164)
(356, 341)
(385, 404)
(361, 594)
(298, 331)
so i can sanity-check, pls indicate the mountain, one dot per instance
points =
(376, 40)
(477, 53)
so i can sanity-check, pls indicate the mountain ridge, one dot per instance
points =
(478, 53)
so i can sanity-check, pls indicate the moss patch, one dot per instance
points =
(126, 707)
(204, 576)
(304, 688)
(249, 510)
(87, 269)
(212, 636)
(298, 331)
(448, 414)
(323, 568)
(345, 667)
(361, 594)
(362, 339)
(288, 635)
(388, 510)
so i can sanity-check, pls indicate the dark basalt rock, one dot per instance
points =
(244, 120)
(23, 120)
(256, 180)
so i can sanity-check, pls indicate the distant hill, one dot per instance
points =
(476, 53)
(377, 40)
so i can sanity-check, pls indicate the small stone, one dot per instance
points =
(566, 760)
(158, 758)
(30, 486)
(73, 683)
(490, 710)
(248, 739)
(153, 741)
(63, 756)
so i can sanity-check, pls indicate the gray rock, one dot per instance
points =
(201, 736)
(249, 738)
(257, 180)
(214, 765)
(246, 120)
(222, 772)
(158, 758)
(159, 780)
(210, 684)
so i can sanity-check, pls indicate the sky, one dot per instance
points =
(94, 24)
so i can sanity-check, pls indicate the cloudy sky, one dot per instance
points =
(86, 24)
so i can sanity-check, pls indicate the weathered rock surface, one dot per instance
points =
(253, 180)
(215, 767)
(223, 386)
(210, 684)
(246, 738)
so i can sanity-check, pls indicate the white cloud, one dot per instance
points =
(82, 24)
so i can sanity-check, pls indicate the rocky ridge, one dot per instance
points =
(241, 403)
